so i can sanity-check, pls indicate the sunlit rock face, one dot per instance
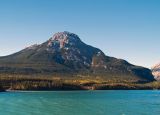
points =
(63, 40)
(156, 71)
(71, 49)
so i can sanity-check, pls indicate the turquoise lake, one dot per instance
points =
(127, 102)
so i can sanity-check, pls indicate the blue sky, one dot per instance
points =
(128, 29)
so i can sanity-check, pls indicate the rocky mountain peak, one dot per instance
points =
(65, 53)
(63, 39)
(156, 71)
(156, 66)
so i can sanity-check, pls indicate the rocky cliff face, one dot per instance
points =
(156, 71)
(65, 53)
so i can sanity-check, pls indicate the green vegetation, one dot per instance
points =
(78, 82)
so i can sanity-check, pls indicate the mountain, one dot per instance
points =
(65, 54)
(156, 71)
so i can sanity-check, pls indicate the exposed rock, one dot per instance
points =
(156, 71)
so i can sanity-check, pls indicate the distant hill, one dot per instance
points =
(65, 54)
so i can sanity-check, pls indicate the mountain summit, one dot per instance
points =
(65, 54)
(64, 39)
(64, 48)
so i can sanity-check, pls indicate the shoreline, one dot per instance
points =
(68, 90)
(23, 91)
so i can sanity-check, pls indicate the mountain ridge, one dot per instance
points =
(65, 53)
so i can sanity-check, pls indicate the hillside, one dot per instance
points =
(65, 54)
(64, 62)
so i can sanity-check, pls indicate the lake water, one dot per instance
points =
(81, 103)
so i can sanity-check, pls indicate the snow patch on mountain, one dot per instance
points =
(32, 46)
